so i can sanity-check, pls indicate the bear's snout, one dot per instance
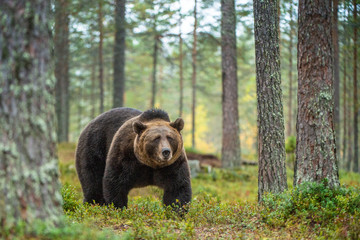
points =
(166, 153)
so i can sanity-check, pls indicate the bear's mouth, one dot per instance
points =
(164, 159)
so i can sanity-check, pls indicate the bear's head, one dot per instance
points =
(158, 143)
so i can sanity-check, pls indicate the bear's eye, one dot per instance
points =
(157, 138)
(169, 138)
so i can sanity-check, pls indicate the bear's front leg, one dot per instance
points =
(177, 188)
(177, 196)
(116, 186)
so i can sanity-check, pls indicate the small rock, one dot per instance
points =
(194, 167)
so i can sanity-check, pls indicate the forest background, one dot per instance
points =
(140, 38)
(159, 24)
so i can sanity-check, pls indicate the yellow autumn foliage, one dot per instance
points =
(201, 130)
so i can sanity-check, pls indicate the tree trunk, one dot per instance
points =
(93, 79)
(291, 45)
(61, 47)
(28, 163)
(335, 36)
(351, 141)
(271, 145)
(101, 61)
(194, 53)
(161, 79)
(230, 152)
(155, 57)
(344, 144)
(349, 99)
(278, 8)
(181, 100)
(356, 105)
(119, 54)
(79, 97)
(315, 143)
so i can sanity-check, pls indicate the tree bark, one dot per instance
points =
(155, 58)
(181, 75)
(291, 46)
(349, 98)
(193, 78)
(335, 36)
(349, 133)
(28, 163)
(356, 104)
(61, 47)
(101, 60)
(345, 112)
(315, 143)
(119, 54)
(93, 80)
(278, 8)
(271, 140)
(230, 152)
(79, 105)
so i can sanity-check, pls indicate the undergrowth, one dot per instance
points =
(224, 206)
(310, 210)
(334, 210)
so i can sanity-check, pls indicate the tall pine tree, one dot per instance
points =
(315, 143)
(28, 163)
(230, 152)
(119, 54)
(61, 42)
(271, 140)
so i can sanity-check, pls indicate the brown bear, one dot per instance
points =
(125, 148)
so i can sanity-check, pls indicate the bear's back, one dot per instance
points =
(97, 136)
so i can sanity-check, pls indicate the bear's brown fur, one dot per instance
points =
(124, 149)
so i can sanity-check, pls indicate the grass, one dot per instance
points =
(224, 206)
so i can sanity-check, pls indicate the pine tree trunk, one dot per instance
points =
(93, 79)
(119, 54)
(345, 137)
(349, 113)
(335, 36)
(181, 75)
(61, 43)
(278, 8)
(28, 163)
(194, 53)
(101, 61)
(271, 140)
(291, 46)
(155, 57)
(161, 79)
(79, 97)
(356, 104)
(315, 145)
(351, 141)
(230, 152)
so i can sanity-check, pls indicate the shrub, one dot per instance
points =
(70, 199)
(313, 203)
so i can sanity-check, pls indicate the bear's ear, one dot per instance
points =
(138, 127)
(178, 124)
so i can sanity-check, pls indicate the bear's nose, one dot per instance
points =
(165, 152)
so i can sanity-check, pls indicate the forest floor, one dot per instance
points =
(224, 206)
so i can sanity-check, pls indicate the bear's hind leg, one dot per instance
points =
(90, 176)
(93, 194)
